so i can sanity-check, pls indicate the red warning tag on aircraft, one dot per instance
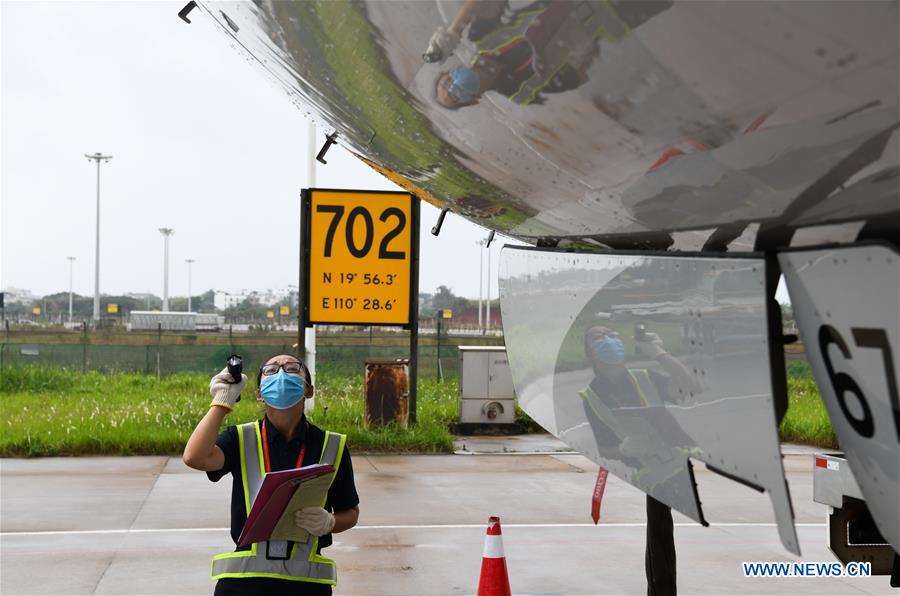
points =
(598, 494)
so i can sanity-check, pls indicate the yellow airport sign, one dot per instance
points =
(112, 308)
(35, 310)
(270, 314)
(447, 313)
(358, 256)
(285, 310)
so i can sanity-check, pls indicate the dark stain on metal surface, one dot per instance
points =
(387, 392)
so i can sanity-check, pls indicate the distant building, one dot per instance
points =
(223, 300)
(174, 321)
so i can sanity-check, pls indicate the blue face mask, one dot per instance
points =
(282, 390)
(464, 84)
(609, 350)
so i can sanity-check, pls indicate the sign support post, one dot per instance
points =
(302, 285)
(414, 312)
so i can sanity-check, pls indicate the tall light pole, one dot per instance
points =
(98, 157)
(189, 262)
(480, 244)
(488, 309)
(71, 262)
(166, 232)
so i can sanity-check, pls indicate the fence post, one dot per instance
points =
(440, 371)
(3, 345)
(84, 347)
(158, 343)
(147, 361)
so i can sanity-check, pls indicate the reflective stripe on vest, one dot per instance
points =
(303, 564)
(621, 426)
(646, 387)
(602, 22)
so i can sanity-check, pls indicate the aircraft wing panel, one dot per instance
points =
(847, 304)
(646, 362)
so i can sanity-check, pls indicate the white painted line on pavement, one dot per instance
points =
(414, 527)
(466, 452)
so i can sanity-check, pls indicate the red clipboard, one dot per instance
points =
(273, 498)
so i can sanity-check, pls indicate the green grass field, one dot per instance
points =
(806, 420)
(48, 412)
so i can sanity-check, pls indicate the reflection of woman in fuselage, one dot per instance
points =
(545, 47)
(508, 54)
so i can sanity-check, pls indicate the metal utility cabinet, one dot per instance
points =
(486, 393)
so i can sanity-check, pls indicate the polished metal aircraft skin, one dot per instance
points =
(617, 122)
(853, 347)
(694, 382)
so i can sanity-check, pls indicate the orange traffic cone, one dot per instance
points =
(494, 580)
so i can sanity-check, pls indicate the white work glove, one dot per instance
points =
(224, 392)
(315, 520)
(442, 44)
(652, 345)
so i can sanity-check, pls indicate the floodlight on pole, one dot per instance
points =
(98, 157)
(189, 263)
(166, 232)
(71, 262)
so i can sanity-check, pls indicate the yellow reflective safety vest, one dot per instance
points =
(582, 25)
(647, 393)
(302, 563)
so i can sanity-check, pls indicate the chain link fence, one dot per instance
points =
(166, 354)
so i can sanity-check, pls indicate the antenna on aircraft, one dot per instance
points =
(440, 221)
(184, 12)
(329, 141)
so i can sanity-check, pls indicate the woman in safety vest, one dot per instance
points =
(282, 440)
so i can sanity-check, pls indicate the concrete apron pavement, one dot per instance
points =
(149, 525)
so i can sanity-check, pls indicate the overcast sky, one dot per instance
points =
(201, 143)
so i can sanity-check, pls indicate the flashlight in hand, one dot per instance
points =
(433, 54)
(235, 366)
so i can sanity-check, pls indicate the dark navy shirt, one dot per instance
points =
(283, 455)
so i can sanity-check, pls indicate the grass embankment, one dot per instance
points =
(47, 412)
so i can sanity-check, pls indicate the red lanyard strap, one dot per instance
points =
(265, 444)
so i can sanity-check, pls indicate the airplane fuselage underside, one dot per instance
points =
(648, 124)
